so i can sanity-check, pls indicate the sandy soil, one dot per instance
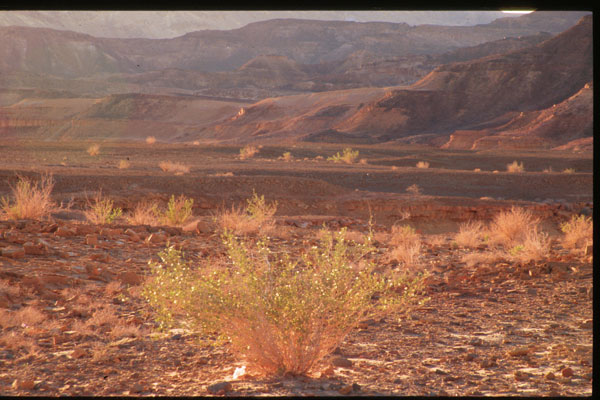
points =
(497, 328)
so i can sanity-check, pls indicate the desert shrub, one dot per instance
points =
(469, 234)
(101, 210)
(403, 234)
(348, 156)
(578, 232)
(257, 216)
(515, 167)
(150, 140)
(143, 214)
(548, 170)
(363, 161)
(414, 189)
(535, 246)
(31, 199)
(93, 150)
(422, 164)
(248, 152)
(177, 168)
(124, 164)
(509, 228)
(569, 170)
(287, 156)
(177, 212)
(282, 315)
(406, 244)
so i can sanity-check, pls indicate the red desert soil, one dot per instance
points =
(73, 321)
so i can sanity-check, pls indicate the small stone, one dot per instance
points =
(13, 252)
(521, 376)
(63, 231)
(137, 388)
(345, 390)
(23, 384)
(131, 278)
(567, 372)
(102, 257)
(519, 352)
(341, 362)
(328, 372)
(588, 324)
(356, 387)
(91, 240)
(221, 387)
(157, 238)
(550, 376)
(78, 353)
(470, 357)
(34, 249)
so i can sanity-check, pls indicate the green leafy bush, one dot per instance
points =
(177, 212)
(101, 211)
(282, 315)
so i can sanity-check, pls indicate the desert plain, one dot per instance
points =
(493, 326)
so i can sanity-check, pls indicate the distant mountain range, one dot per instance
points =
(170, 24)
(453, 86)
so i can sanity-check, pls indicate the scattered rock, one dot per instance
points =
(567, 372)
(519, 352)
(341, 362)
(345, 390)
(470, 357)
(219, 388)
(13, 252)
(23, 384)
(91, 240)
(79, 353)
(35, 249)
(63, 231)
(587, 324)
(156, 238)
(137, 388)
(521, 376)
(130, 278)
(550, 376)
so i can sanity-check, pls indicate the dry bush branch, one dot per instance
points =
(31, 199)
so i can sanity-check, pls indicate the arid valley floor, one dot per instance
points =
(492, 326)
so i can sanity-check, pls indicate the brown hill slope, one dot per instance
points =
(465, 95)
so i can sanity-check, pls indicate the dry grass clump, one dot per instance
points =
(248, 152)
(470, 234)
(177, 168)
(485, 258)
(93, 150)
(548, 170)
(422, 164)
(578, 232)
(101, 211)
(178, 211)
(287, 156)
(150, 140)
(406, 244)
(124, 164)
(143, 214)
(31, 200)
(103, 316)
(257, 216)
(348, 156)
(17, 340)
(414, 189)
(509, 228)
(121, 330)
(515, 167)
(569, 170)
(281, 315)
(27, 316)
(535, 246)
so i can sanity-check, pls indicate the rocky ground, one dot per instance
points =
(74, 323)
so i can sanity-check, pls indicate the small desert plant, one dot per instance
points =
(31, 199)
(569, 170)
(93, 150)
(422, 164)
(535, 246)
(403, 234)
(143, 214)
(177, 168)
(578, 232)
(101, 210)
(548, 170)
(248, 152)
(124, 164)
(150, 140)
(348, 156)
(509, 228)
(258, 215)
(177, 212)
(281, 315)
(469, 234)
(414, 189)
(406, 244)
(287, 156)
(515, 167)
(363, 161)
(477, 170)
